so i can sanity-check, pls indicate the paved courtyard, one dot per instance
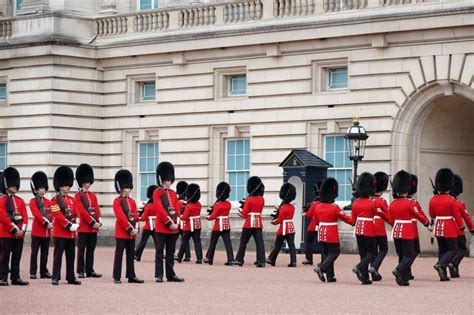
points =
(219, 289)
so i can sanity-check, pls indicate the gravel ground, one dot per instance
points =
(236, 290)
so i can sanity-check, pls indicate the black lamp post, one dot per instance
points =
(355, 143)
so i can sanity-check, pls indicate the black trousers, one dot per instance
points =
(187, 252)
(67, 246)
(86, 243)
(367, 253)
(38, 243)
(329, 254)
(127, 245)
(244, 239)
(461, 251)
(446, 250)
(406, 257)
(13, 247)
(416, 250)
(167, 241)
(290, 240)
(311, 236)
(381, 244)
(143, 240)
(225, 234)
(196, 235)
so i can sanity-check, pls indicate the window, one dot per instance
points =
(238, 167)
(237, 85)
(18, 4)
(336, 154)
(3, 156)
(147, 91)
(337, 78)
(148, 157)
(147, 4)
(3, 92)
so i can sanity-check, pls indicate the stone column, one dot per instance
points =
(33, 7)
(108, 7)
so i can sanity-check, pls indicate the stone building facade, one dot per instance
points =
(228, 89)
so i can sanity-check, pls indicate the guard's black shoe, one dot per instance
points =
(199, 261)
(255, 262)
(175, 279)
(20, 282)
(320, 274)
(359, 275)
(159, 279)
(3, 283)
(178, 259)
(55, 282)
(453, 270)
(307, 262)
(46, 276)
(206, 261)
(74, 282)
(187, 259)
(81, 275)
(135, 280)
(268, 261)
(332, 279)
(292, 265)
(375, 274)
(32, 277)
(411, 277)
(137, 258)
(238, 263)
(94, 275)
(398, 276)
(365, 282)
(441, 272)
(229, 263)
(260, 265)
(117, 281)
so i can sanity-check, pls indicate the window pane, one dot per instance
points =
(330, 158)
(342, 167)
(3, 156)
(148, 159)
(337, 78)
(145, 4)
(329, 144)
(339, 162)
(3, 92)
(18, 4)
(148, 91)
(155, 4)
(239, 149)
(230, 163)
(231, 147)
(238, 85)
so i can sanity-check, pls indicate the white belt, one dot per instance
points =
(221, 220)
(252, 217)
(445, 218)
(413, 220)
(399, 222)
(324, 224)
(284, 222)
(365, 219)
(441, 218)
(152, 221)
(191, 219)
(377, 217)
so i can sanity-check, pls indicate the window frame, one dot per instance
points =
(134, 88)
(222, 83)
(329, 75)
(230, 85)
(139, 173)
(350, 169)
(226, 172)
(153, 7)
(320, 74)
(142, 91)
(3, 82)
(6, 154)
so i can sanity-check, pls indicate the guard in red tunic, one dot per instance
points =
(364, 209)
(461, 240)
(219, 212)
(311, 231)
(381, 241)
(252, 213)
(65, 212)
(326, 215)
(402, 211)
(40, 208)
(181, 192)
(416, 207)
(191, 218)
(90, 219)
(286, 232)
(167, 206)
(13, 225)
(444, 209)
(149, 217)
(126, 227)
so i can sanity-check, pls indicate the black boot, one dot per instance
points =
(453, 270)
(175, 279)
(359, 275)
(268, 261)
(20, 282)
(441, 272)
(375, 274)
(320, 274)
(307, 262)
(135, 280)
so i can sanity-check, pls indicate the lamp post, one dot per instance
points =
(355, 138)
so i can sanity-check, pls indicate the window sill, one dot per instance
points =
(334, 91)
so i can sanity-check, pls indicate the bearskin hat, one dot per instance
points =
(329, 190)
(255, 186)
(413, 184)
(11, 178)
(39, 180)
(150, 190)
(444, 180)
(164, 171)
(382, 181)
(457, 187)
(366, 185)
(181, 189)
(222, 191)
(401, 182)
(193, 193)
(63, 176)
(84, 174)
(123, 179)
(287, 192)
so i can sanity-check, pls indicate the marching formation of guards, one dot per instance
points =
(169, 214)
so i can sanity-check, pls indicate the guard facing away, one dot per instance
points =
(191, 218)
(311, 231)
(13, 225)
(253, 225)
(402, 211)
(165, 201)
(149, 217)
(219, 213)
(40, 208)
(461, 240)
(90, 221)
(65, 214)
(286, 232)
(326, 215)
(126, 227)
(444, 209)
(181, 192)
(381, 241)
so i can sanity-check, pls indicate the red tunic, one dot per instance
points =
(149, 213)
(326, 216)
(87, 220)
(312, 226)
(363, 212)
(379, 223)
(417, 207)
(461, 206)
(40, 223)
(252, 212)
(443, 208)
(402, 210)
(191, 217)
(285, 219)
(220, 213)
(61, 225)
(163, 220)
(8, 228)
(123, 227)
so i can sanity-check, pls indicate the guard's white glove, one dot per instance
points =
(74, 227)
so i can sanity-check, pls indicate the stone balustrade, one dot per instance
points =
(5, 28)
